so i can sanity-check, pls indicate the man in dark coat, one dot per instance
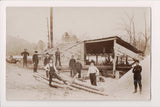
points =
(35, 61)
(72, 63)
(57, 55)
(78, 67)
(25, 54)
(137, 76)
(46, 61)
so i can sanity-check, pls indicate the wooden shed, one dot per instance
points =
(108, 53)
(117, 53)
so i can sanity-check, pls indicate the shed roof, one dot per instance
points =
(118, 40)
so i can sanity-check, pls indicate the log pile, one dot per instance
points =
(73, 85)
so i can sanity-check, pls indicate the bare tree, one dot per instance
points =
(146, 35)
(137, 39)
(130, 30)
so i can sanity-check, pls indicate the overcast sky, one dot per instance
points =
(30, 23)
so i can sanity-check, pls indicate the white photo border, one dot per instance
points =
(155, 53)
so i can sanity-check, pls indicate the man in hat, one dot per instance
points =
(25, 54)
(78, 67)
(46, 61)
(72, 66)
(57, 55)
(137, 77)
(35, 61)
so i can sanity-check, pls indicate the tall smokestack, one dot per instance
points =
(51, 26)
(48, 34)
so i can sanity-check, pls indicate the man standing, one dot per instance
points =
(72, 63)
(57, 55)
(93, 72)
(137, 76)
(25, 54)
(78, 67)
(46, 61)
(35, 61)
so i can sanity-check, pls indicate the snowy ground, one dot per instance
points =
(21, 85)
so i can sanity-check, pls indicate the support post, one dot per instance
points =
(96, 59)
(84, 53)
(115, 73)
(117, 60)
(126, 60)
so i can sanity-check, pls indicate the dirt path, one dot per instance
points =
(21, 85)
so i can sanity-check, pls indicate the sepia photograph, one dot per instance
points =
(78, 53)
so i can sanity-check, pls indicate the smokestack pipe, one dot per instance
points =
(51, 26)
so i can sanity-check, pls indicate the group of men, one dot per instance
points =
(75, 67)
(49, 65)
(35, 59)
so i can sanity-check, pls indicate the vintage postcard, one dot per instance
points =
(78, 53)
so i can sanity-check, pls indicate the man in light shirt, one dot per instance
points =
(92, 73)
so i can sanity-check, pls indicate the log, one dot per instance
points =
(89, 90)
(56, 83)
(82, 86)
(66, 89)
(86, 86)
(73, 86)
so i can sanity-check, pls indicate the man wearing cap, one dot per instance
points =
(57, 55)
(72, 66)
(35, 61)
(46, 61)
(78, 67)
(137, 77)
(25, 54)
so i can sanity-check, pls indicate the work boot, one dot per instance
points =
(135, 91)
(140, 91)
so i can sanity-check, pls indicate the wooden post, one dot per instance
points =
(114, 59)
(84, 53)
(117, 60)
(96, 59)
(126, 60)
